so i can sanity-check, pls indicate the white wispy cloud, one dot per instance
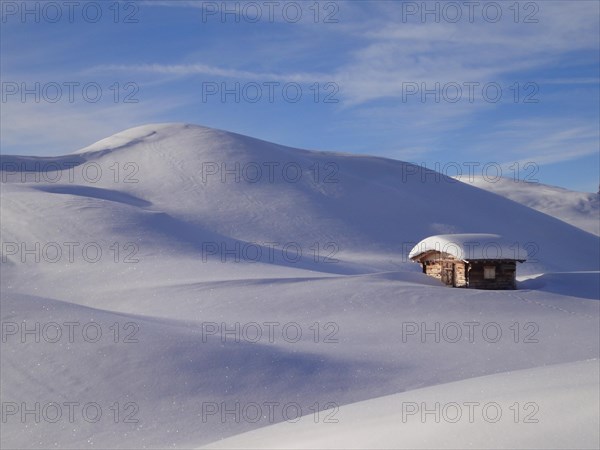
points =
(205, 69)
(571, 81)
(390, 53)
(543, 141)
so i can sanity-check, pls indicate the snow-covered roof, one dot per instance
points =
(470, 246)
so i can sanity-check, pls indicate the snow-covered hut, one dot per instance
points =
(481, 261)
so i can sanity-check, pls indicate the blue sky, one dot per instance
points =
(368, 74)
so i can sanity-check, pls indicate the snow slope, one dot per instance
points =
(580, 209)
(292, 287)
(486, 412)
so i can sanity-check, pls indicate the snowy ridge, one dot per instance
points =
(375, 206)
(580, 209)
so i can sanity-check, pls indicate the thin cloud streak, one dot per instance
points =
(204, 69)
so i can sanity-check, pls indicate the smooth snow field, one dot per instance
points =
(176, 286)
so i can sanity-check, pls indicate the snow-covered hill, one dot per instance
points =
(227, 272)
(580, 209)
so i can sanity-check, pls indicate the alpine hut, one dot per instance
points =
(480, 261)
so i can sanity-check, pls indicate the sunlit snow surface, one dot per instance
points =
(190, 253)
